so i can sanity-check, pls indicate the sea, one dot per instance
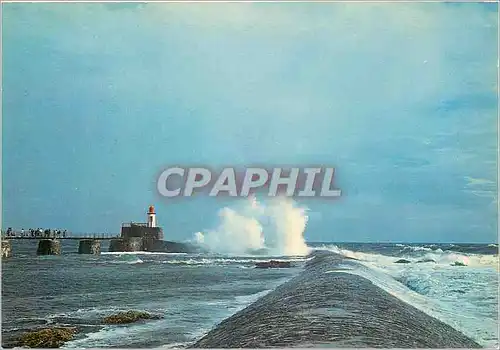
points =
(455, 283)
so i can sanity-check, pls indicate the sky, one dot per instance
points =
(400, 98)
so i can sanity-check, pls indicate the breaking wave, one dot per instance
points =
(272, 228)
(126, 259)
(419, 254)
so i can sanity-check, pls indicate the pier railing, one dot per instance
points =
(18, 234)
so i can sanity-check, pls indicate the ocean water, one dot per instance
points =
(194, 292)
(191, 292)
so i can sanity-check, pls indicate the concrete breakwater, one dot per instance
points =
(327, 306)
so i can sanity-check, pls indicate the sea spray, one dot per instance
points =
(236, 234)
(277, 227)
(287, 225)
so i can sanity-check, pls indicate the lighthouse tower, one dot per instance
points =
(151, 216)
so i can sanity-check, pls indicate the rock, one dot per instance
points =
(402, 261)
(351, 258)
(458, 263)
(128, 317)
(273, 264)
(47, 337)
(426, 261)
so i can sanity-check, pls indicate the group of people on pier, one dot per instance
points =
(36, 233)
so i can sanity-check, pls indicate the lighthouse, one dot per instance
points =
(151, 216)
(146, 236)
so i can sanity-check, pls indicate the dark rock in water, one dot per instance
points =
(273, 264)
(47, 337)
(402, 261)
(458, 263)
(426, 261)
(350, 258)
(128, 317)
(325, 306)
(179, 247)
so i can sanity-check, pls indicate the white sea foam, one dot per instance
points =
(173, 346)
(109, 335)
(130, 260)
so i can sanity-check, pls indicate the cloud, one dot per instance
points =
(481, 187)
(472, 182)
(401, 98)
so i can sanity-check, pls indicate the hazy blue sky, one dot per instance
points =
(400, 98)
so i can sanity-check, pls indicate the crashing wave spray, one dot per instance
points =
(275, 228)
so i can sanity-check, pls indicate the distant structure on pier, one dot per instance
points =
(148, 230)
(134, 237)
(139, 236)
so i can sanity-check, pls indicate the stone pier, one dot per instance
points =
(49, 247)
(130, 244)
(6, 248)
(89, 246)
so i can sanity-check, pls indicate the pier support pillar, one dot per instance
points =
(49, 247)
(89, 246)
(6, 248)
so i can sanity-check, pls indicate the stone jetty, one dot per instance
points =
(326, 306)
